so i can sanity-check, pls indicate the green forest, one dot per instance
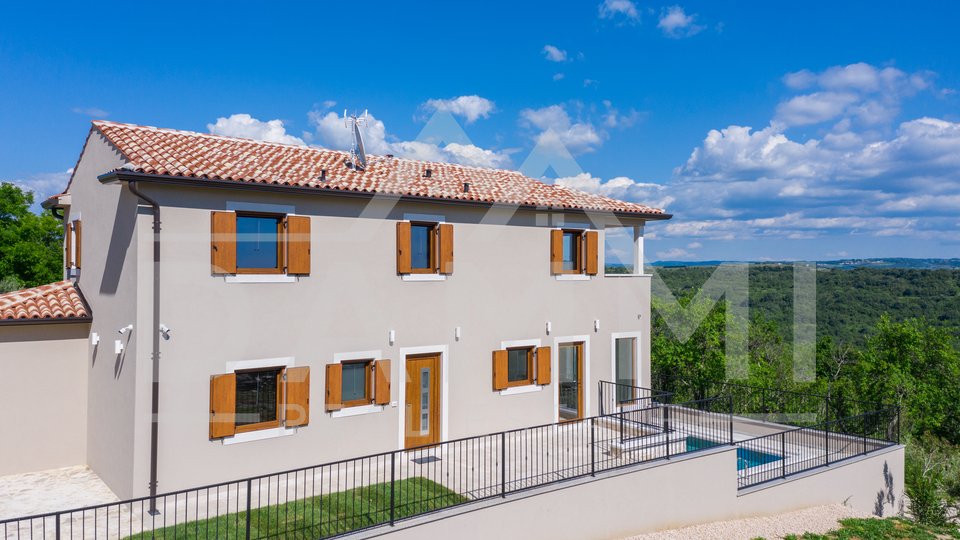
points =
(884, 337)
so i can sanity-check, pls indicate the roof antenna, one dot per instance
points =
(358, 156)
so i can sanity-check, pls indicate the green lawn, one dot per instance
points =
(882, 529)
(321, 516)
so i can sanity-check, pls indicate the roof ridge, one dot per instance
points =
(99, 123)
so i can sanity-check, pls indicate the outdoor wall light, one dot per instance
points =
(548, 327)
(117, 347)
(596, 325)
(456, 333)
(94, 339)
(392, 336)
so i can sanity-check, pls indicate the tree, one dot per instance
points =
(30, 244)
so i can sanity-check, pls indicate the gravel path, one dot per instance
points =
(819, 519)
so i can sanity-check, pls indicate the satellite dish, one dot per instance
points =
(358, 155)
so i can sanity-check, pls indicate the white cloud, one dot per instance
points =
(93, 112)
(867, 94)
(617, 9)
(674, 254)
(554, 54)
(558, 76)
(248, 127)
(331, 131)
(556, 127)
(675, 23)
(694, 245)
(42, 185)
(863, 174)
(620, 187)
(470, 108)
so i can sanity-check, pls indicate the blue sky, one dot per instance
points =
(821, 131)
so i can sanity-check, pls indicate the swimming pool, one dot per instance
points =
(746, 458)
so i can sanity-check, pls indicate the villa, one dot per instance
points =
(291, 324)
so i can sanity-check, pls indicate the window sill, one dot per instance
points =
(626, 275)
(357, 411)
(260, 278)
(424, 277)
(572, 277)
(526, 389)
(259, 435)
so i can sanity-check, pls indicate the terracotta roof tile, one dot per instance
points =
(195, 155)
(59, 300)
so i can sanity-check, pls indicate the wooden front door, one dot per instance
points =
(422, 407)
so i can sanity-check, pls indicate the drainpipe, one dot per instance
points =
(155, 354)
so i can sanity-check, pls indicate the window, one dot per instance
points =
(423, 241)
(424, 248)
(355, 383)
(625, 362)
(573, 251)
(258, 243)
(260, 398)
(72, 245)
(520, 366)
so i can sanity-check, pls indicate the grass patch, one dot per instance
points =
(882, 529)
(321, 516)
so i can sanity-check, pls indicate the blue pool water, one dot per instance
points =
(746, 458)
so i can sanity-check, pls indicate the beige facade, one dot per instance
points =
(44, 391)
(501, 291)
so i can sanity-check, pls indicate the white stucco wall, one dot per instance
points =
(700, 488)
(43, 393)
(501, 290)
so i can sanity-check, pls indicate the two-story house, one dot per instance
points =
(241, 307)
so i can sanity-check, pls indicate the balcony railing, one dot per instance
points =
(355, 494)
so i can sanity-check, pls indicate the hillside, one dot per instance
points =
(849, 301)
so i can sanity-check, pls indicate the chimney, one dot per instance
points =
(427, 173)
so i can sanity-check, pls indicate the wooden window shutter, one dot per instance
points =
(297, 396)
(591, 253)
(77, 243)
(543, 365)
(223, 242)
(446, 248)
(556, 251)
(403, 247)
(500, 364)
(223, 400)
(381, 383)
(68, 245)
(334, 387)
(298, 245)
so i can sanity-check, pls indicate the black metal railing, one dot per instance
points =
(355, 494)
(615, 397)
(787, 452)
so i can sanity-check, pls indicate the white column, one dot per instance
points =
(638, 249)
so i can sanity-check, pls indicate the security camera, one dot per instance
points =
(124, 330)
(164, 331)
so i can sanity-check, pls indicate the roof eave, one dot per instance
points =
(189, 181)
(48, 320)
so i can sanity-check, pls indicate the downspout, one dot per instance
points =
(155, 390)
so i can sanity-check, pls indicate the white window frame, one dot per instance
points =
(637, 336)
(401, 376)
(260, 434)
(527, 388)
(555, 370)
(339, 358)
